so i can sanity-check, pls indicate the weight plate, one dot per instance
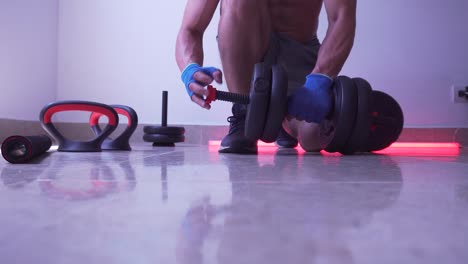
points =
(259, 101)
(360, 132)
(386, 121)
(278, 104)
(158, 138)
(336, 128)
(167, 130)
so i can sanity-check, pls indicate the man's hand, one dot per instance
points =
(312, 102)
(196, 78)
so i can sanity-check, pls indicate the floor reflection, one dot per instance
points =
(63, 181)
(285, 212)
(18, 176)
(163, 161)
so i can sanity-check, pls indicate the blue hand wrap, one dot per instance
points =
(190, 70)
(312, 102)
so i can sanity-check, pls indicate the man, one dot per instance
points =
(273, 31)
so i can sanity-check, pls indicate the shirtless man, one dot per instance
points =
(273, 31)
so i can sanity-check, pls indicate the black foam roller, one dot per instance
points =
(22, 149)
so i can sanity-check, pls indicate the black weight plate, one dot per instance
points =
(158, 138)
(360, 132)
(386, 121)
(168, 130)
(278, 104)
(259, 100)
(335, 129)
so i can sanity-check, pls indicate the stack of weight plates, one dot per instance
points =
(163, 135)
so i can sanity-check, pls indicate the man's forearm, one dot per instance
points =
(189, 48)
(336, 47)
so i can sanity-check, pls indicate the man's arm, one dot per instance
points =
(339, 39)
(189, 45)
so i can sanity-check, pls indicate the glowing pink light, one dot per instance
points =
(397, 148)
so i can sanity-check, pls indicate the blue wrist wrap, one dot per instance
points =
(312, 101)
(190, 70)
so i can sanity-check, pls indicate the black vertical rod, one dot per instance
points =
(164, 109)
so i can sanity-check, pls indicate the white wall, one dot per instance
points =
(28, 44)
(415, 50)
(122, 51)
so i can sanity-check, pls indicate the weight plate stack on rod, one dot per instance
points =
(386, 121)
(164, 135)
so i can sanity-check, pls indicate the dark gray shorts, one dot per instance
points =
(296, 58)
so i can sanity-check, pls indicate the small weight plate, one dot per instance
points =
(360, 132)
(386, 121)
(278, 104)
(337, 127)
(259, 102)
(167, 130)
(159, 138)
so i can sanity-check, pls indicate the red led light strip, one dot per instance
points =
(394, 145)
(397, 148)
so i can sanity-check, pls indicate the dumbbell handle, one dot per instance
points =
(214, 95)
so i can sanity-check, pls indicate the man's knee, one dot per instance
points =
(308, 147)
(309, 137)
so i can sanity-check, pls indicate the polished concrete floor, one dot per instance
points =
(189, 204)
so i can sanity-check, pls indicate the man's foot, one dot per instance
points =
(284, 140)
(235, 141)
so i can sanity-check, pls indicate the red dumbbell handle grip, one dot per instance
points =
(214, 95)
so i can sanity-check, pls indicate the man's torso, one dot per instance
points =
(298, 19)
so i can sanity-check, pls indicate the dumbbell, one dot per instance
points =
(349, 127)
(164, 135)
(267, 102)
(267, 107)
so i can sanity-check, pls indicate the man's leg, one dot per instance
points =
(299, 59)
(244, 31)
(243, 37)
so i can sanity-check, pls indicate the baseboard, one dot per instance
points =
(201, 134)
